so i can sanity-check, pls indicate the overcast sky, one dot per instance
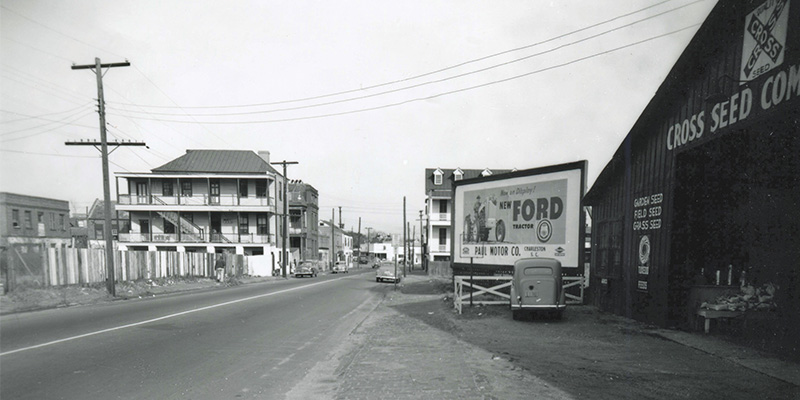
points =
(364, 94)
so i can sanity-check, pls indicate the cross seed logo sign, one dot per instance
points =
(764, 41)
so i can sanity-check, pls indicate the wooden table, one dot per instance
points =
(708, 315)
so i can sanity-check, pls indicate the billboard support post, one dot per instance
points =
(471, 279)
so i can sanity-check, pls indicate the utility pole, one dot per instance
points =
(284, 254)
(368, 232)
(359, 243)
(333, 238)
(422, 255)
(413, 235)
(405, 242)
(341, 224)
(103, 143)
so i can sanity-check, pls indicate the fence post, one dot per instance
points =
(11, 279)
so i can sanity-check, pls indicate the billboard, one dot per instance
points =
(532, 213)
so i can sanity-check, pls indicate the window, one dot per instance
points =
(186, 188)
(244, 224)
(40, 217)
(280, 191)
(442, 236)
(144, 226)
(243, 188)
(261, 188)
(458, 175)
(214, 191)
(28, 220)
(62, 222)
(98, 231)
(437, 179)
(166, 188)
(443, 206)
(52, 221)
(15, 219)
(263, 227)
(169, 227)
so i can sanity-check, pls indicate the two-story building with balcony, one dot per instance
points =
(439, 207)
(204, 201)
(303, 220)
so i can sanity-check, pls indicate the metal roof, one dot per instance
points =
(217, 161)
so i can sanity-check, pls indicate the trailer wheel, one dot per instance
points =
(500, 231)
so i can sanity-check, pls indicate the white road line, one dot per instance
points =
(164, 317)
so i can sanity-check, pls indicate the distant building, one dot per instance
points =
(439, 206)
(205, 201)
(87, 229)
(303, 220)
(343, 244)
(34, 220)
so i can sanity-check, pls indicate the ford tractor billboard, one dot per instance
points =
(531, 213)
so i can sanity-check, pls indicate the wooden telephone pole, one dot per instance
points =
(284, 254)
(103, 143)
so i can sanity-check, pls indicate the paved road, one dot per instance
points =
(253, 341)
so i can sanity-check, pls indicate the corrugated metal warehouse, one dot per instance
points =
(704, 191)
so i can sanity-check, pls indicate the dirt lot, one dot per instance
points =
(595, 355)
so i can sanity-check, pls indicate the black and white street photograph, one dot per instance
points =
(355, 200)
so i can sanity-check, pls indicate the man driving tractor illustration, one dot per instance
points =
(477, 225)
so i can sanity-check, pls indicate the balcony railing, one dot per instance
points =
(196, 200)
(194, 238)
(442, 216)
(297, 231)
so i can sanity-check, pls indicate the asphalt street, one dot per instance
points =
(253, 341)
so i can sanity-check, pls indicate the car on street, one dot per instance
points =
(305, 269)
(386, 273)
(340, 267)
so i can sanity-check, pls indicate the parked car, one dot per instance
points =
(363, 260)
(340, 267)
(386, 272)
(536, 286)
(305, 269)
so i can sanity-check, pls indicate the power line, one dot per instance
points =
(427, 73)
(35, 48)
(426, 97)
(45, 131)
(44, 115)
(46, 154)
(59, 121)
(44, 119)
(173, 101)
(473, 72)
(50, 93)
(59, 32)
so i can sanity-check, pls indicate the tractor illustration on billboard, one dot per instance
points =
(483, 221)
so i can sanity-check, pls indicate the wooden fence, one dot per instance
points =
(440, 268)
(40, 266)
